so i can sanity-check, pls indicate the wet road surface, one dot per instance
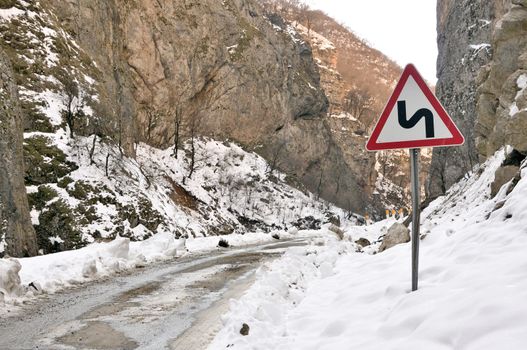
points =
(175, 305)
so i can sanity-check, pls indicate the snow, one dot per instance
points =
(344, 115)
(473, 283)
(477, 48)
(321, 42)
(6, 14)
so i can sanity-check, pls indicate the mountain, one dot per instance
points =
(100, 81)
(358, 81)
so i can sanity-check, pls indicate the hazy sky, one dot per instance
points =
(404, 30)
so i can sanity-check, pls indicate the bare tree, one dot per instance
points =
(178, 122)
(438, 172)
(194, 126)
(306, 16)
(357, 101)
(73, 103)
(152, 119)
(106, 164)
(276, 155)
(92, 149)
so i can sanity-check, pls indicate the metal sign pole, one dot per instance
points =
(414, 162)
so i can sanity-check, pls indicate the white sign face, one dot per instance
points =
(413, 118)
(414, 100)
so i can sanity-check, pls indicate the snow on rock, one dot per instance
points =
(472, 284)
(321, 42)
(9, 278)
(10, 12)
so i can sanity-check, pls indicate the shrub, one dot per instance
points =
(58, 220)
(44, 163)
(223, 243)
(38, 200)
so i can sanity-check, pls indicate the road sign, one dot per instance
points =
(413, 118)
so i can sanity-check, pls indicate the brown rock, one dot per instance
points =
(502, 176)
(363, 242)
(245, 329)
(397, 234)
(499, 123)
(15, 222)
(337, 230)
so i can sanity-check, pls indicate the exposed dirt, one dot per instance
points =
(97, 335)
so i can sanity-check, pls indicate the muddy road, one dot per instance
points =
(175, 305)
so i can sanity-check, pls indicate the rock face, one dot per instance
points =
(502, 103)
(15, 222)
(226, 69)
(397, 234)
(358, 81)
(464, 34)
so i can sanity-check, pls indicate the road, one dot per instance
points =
(175, 305)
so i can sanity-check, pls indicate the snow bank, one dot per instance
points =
(472, 291)
(279, 288)
(22, 279)
(9, 279)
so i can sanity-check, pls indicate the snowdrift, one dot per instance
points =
(473, 284)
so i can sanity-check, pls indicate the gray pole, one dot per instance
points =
(414, 162)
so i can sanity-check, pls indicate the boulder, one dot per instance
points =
(245, 329)
(397, 234)
(363, 242)
(503, 175)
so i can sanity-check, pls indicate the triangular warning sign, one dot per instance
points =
(413, 118)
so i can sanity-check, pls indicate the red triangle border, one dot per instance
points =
(456, 139)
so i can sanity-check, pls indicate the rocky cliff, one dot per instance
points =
(502, 102)
(15, 222)
(230, 73)
(358, 81)
(464, 31)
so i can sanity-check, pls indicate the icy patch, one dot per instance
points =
(54, 272)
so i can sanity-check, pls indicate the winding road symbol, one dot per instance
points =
(416, 118)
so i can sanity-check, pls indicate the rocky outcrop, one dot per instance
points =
(15, 222)
(226, 69)
(502, 103)
(464, 34)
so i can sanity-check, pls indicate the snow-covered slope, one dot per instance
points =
(107, 194)
(473, 283)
